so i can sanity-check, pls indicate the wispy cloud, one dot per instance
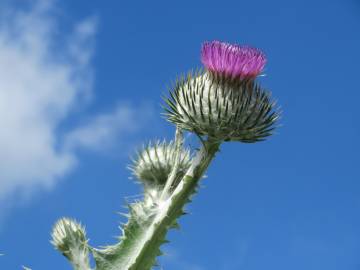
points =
(44, 76)
(101, 131)
(173, 259)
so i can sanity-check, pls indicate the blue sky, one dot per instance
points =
(80, 90)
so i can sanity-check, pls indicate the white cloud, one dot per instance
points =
(101, 132)
(43, 77)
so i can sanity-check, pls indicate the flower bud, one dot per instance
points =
(154, 163)
(69, 237)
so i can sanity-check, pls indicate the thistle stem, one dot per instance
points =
(141, 242)
(179, 141)
(172, 207)
(80, 258)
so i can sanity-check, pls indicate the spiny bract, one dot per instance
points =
(154, 163)
(225, 110)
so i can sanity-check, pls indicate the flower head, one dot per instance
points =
(232, 61)
(224, 111)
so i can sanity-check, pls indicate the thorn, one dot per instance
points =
(175, 226)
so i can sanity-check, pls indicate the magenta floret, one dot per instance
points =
(233, 61)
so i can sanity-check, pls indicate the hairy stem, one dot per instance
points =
(147, 227)
(81, 263)
(179, 140)
(172, 207)
(79, 257)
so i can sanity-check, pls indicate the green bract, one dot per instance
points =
(225, 110)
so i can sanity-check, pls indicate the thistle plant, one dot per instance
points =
(220, 103)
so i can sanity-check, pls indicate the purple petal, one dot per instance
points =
(232, 60)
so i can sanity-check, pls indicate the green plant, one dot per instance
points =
(219, 104)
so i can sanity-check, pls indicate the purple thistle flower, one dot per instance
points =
(232, 61)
